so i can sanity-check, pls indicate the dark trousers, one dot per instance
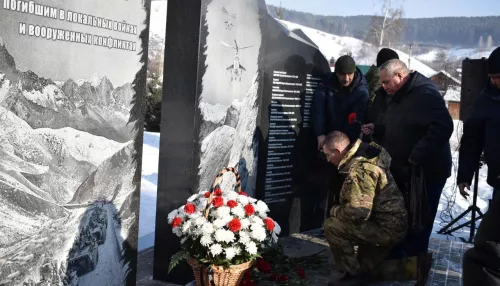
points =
(481, 264)
(415, 244)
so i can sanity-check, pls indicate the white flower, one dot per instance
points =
(274, 237)
(245, 223)
(251, 248)
(224, 235)
(244, 237)
(258, 232)
(192, 198)
(238, 211)
(261, 207)
(186, 226)
(219, 223)
(183, 240)
(252, 200)
(177, 231)
(216, 249)
(201, 220)
(207, 228)
(202, 203)
(256, 220)
(206, 240)
(243, 199)
(172, 215)
(237, 250)
(232, 196)
(223, 212)
(230, 253)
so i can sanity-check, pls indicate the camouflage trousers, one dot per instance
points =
(373, 244)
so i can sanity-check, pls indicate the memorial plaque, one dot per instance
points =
(292, 67)
(249, 98)
(72, 86)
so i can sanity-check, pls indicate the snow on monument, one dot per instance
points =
(69, 78)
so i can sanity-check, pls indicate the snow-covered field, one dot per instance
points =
(456, 53)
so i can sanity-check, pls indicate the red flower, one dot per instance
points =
(218, 191)
(352, 117)
(282, 278)
(301, 273)
(176, 222)
(189, 208)
(263, 266)
(218, 202)
(279, 277)
(234, 225)
(231, 204)
(249, 210)
(243, 194)
(207, 195)
(269, 224)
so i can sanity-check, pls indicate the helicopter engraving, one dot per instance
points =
(236, 68)
(230, 18)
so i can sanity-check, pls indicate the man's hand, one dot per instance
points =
(462, 187)
(368, 129)
(321, 140)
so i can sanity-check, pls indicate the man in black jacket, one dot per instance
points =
(482, 133)
(416, 129)
(378, 98)
(343, 92)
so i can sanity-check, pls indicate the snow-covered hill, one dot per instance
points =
(456, 53)
(363, 53)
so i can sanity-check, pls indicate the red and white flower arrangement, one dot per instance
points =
(222, 227)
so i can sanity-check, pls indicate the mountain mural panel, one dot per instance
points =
(69, 190)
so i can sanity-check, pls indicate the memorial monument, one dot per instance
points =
(72, 82)
(237, 93)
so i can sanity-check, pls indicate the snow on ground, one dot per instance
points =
(451, 202)
(158, 18)
(363, 53)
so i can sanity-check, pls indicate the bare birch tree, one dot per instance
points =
(388, 27)
(279, 11)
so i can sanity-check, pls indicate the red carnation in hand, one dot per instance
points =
(176, 222)
(234, 225)
(249, 210)
(218, 191)
(231, 204)
(263, 266)
(207, 195)
(189, 208)
(269, 224)
(243, 194)
(352, 117)
(218, 202)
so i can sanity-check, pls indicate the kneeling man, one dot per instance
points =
(371, 215)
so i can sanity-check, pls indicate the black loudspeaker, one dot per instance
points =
(474, 80)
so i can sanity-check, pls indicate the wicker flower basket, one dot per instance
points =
(221, 276)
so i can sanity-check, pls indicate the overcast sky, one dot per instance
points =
(412, 8)
(60, 60)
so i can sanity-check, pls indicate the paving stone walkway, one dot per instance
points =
(446, 268)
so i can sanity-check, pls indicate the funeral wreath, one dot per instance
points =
(222, 232)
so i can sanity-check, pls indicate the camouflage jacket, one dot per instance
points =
(369, 191)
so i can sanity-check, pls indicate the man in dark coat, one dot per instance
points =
(343, 92)
(378, 97)
(416, 128)
(482, 133)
